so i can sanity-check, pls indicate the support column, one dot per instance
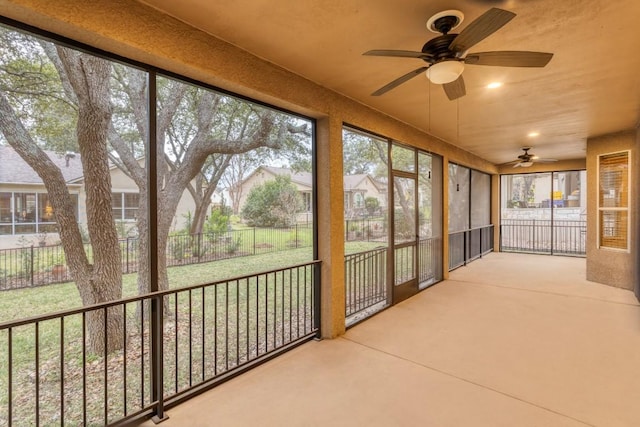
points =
(495, 211)
(331, 225)
(445, 217)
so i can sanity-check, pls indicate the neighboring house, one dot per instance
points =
(356, 189)
(302, 180)
(24, 204)
(25, 211)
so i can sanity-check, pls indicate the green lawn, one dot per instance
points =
(209, 330)
(21, 303)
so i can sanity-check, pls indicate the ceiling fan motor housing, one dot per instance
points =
(438, 48)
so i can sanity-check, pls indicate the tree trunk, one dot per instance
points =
(199, 216)
(90, 79)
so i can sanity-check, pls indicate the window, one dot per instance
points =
(6, 217)
(306, 197)
(33, 213)
(613, 201)
(125, 206)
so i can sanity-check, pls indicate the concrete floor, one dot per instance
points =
(509, 340)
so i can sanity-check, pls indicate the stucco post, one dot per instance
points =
(331, 225)
(445, 217)
(495, 211)
(611, 267)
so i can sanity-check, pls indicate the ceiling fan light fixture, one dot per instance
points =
(526, 164)
(445, 72)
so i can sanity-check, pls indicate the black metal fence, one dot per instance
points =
(429, 261)
(468, 245)
(561, 237)
(160, 348)
(365, 230)
(366, 275)
(42, 265)
(365, 279)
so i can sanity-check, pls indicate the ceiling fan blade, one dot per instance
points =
(485, 25)
(509, 58)
(397, 82)
(398, 53)
(455, 89)
(517, 165)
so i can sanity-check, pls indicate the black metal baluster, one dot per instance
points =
(290, 304)
(246, 287)
(190, 339)
(298, 303)
(106, 392)
(237, 323)
(215, 330)
(62, 371)
(175, 336)
(10, 376)
(84, 368)
(142, 353)
(124, 357)
(37, 357)
(266, 312)
(305, 299)
(275, 309)
(257, 315)
(282, 309)
(203, 306)
(226, 326)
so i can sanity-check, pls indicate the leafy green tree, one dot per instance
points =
(52, 97)
(83, 82)
(362, 154)
(274, 203)
(371, 204)
(217, 223)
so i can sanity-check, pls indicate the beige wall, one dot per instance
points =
(611, 267)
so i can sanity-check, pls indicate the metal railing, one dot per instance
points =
(429, 261)
(468, 245)
(366, 275)
(43, 265)
(365, 230)
(158, 349)
(365, 280)
(562, 237)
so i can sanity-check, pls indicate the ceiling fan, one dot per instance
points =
(446, 55)
(527, 159)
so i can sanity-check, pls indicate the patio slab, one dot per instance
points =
(489, 347)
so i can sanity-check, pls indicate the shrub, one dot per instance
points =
(275, 203)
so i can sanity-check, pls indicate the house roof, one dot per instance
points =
(353, 181)
(301, 178)
(306, 179)
(15, 170)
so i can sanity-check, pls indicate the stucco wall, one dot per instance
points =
(611, 267)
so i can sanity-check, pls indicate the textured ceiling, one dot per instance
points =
(591, 87)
